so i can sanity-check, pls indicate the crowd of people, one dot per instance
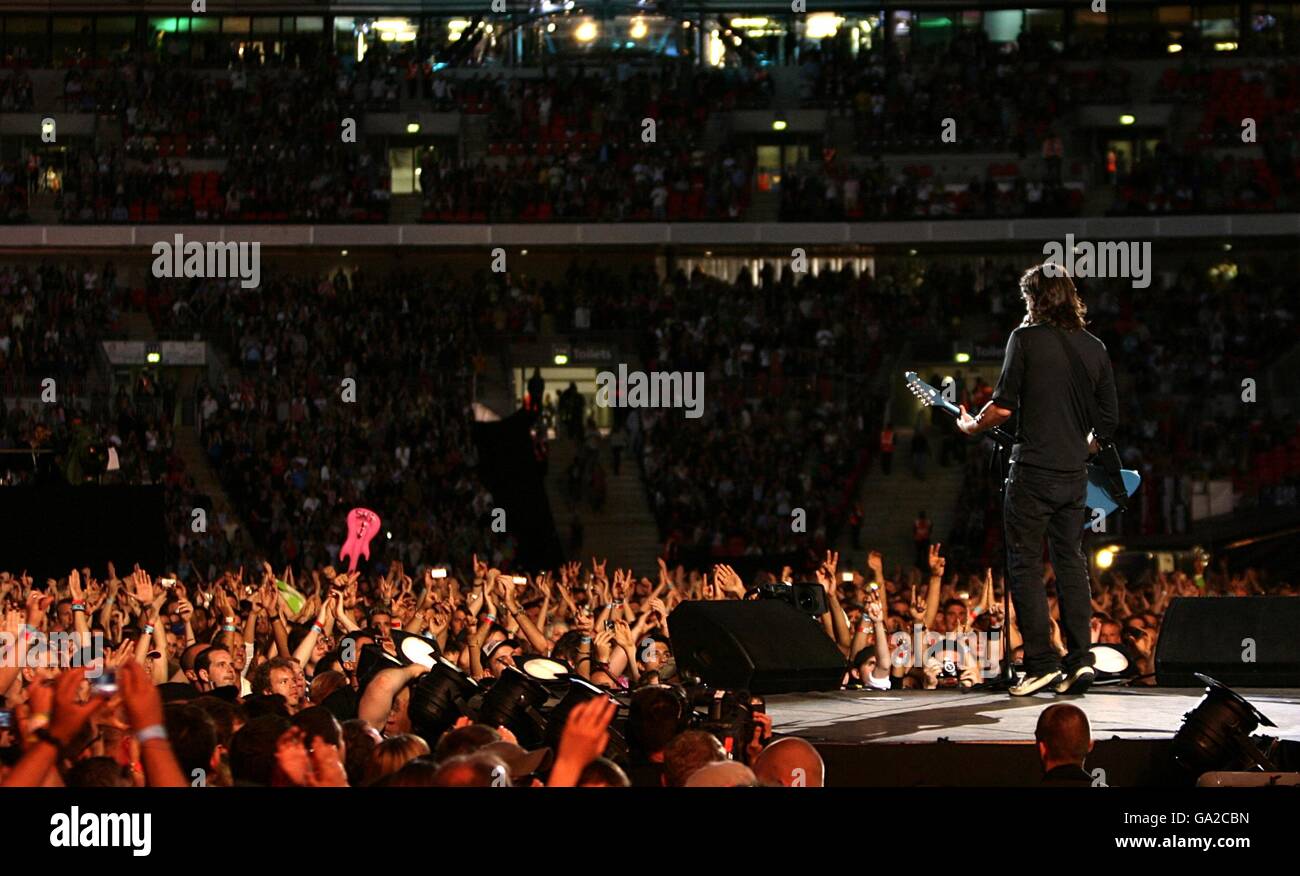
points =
(17, 94)
(258, 677)
(999, 101)
(344, 390)
(256, 119)
(569, 145)
(871, 191)
(589, 181)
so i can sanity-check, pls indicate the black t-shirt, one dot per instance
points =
(1051, 432)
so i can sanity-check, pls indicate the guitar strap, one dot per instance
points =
(1108, 455)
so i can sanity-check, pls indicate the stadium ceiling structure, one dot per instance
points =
(471, 7)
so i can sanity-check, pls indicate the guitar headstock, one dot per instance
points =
(926, 393)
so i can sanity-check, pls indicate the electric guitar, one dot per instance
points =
(1098, 495)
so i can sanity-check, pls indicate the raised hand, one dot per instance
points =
(624, 637)
(604, 645)
(585, 737)
(74, 586)
(874, 609)
(68, 716)
(937, 562)
(917, 606)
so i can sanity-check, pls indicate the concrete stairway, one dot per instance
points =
(788, 84)
(764, 207)
(41, 209)
(623, 531)
(890, 505)
(405, 209)
(136, 326)
(473, 136)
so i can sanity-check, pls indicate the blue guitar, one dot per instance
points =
(1098, 495)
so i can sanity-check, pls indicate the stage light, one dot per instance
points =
(438, 698)
(1173, 48)
(1105, 558)
(779, 124)
(962, 358)
(1110, 661)
(580, 691)
(638, 29)
(152, 354)
(1225, 47)
(343, 253)
(523, 252)
(412, 125)
(512, 701)
(371, 660)
(820, 25)
(585, 32)
(1216, 734)
(389, 534)
(1127, 119)
(413, 648)
(749, 22)
(561, 359)
(544, 669)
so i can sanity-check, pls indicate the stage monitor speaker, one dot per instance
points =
(763, 646)
(1242, 641)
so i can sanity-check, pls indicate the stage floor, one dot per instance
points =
(949, 715)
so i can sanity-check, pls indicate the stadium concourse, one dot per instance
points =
(353, 427)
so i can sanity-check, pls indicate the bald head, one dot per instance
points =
(477, 770)
(792, 762)
(1064, 735)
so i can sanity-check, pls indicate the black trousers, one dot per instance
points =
(1040, 502)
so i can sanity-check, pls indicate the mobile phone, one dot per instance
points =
(6, 719)
(846, 576)
(167, 582)
(438, 573)
(609, 625)
(875, 586)
(519, 579)
(757, 705)
(963, 595)
(106, 684)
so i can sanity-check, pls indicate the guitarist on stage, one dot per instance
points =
(1047, 481)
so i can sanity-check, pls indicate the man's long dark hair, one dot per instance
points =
(1050, 297)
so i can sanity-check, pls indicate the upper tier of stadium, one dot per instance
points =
(643, 113)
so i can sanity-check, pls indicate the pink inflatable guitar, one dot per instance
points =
(363, 525)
